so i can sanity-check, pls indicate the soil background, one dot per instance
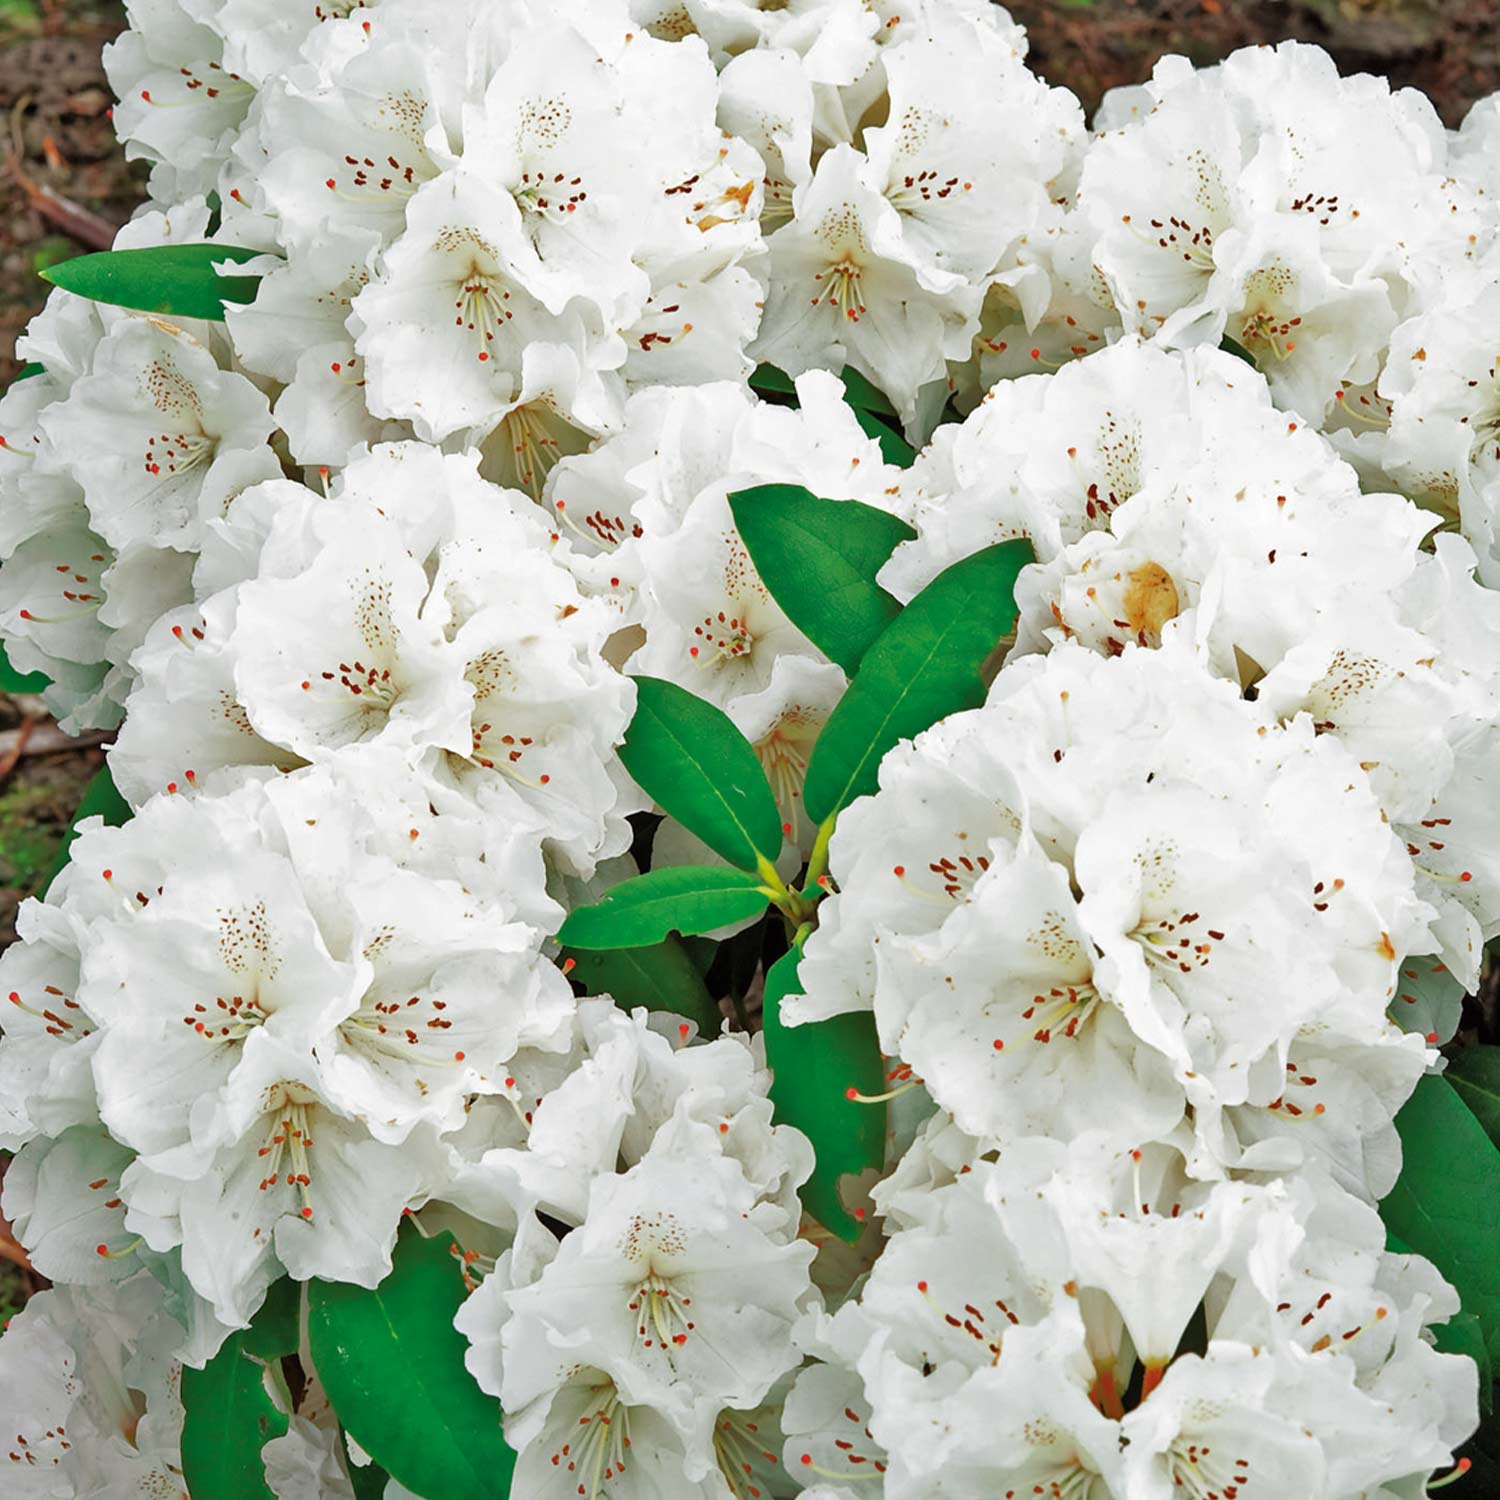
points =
(65, 186)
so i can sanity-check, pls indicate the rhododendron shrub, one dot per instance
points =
(805, 770)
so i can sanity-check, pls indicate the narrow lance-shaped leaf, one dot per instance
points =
(178, 280)
(694, 763)
(924, 667)
(393, 1366)
(813, 1069)
(819, 559)
(230, 1415)
(682, 898)
(1446, 1203)
(660, 977)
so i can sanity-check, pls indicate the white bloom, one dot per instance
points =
(178, 102)
(76, 1368)
(973, 140)
(837, 297)
(157, 436)
(461, 295)
(670, 1288)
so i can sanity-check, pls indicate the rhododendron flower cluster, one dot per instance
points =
(810, 767)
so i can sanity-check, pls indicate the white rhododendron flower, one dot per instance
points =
(1012, 1030)
(1145, 905)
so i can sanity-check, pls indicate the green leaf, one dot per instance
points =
(819, 559)
(864, 395)
(28, 370)
(693, 761)
(858, 392)
(368, 1481)
(894, 448)
(813, 1067)
(924, 667)
(1475, 1076)
(682, 898)
(1446, 1203)
(100, 799)
(1229, 346)
(393, 1366)
(12, 681)
(230, 1415)
(660, 977)
(178, 280)
(1429, 1000)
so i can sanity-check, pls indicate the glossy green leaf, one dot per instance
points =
(1429, 1000)
(1475, 1076)
(1446, 1204)
(682, 898)
(697, 766)
(28, 370)
(368, 1481)
(894, 448)
(660, 977)
(230, 1415)
(819, 559)
(177, 280)
(924, 667)
(12, 681)
(813, 1067)
(1230, 346)
(863, 395)
(859, 392)
(393, 1366)
(101, 799)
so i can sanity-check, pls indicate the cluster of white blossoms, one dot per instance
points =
(360, 575)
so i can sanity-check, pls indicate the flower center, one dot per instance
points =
(284, 1156)
(784, 754)
(1199, 1473)
(662, 1318)
(597, 1450)
(742, 1455)
(170, 456)
(840, 284)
